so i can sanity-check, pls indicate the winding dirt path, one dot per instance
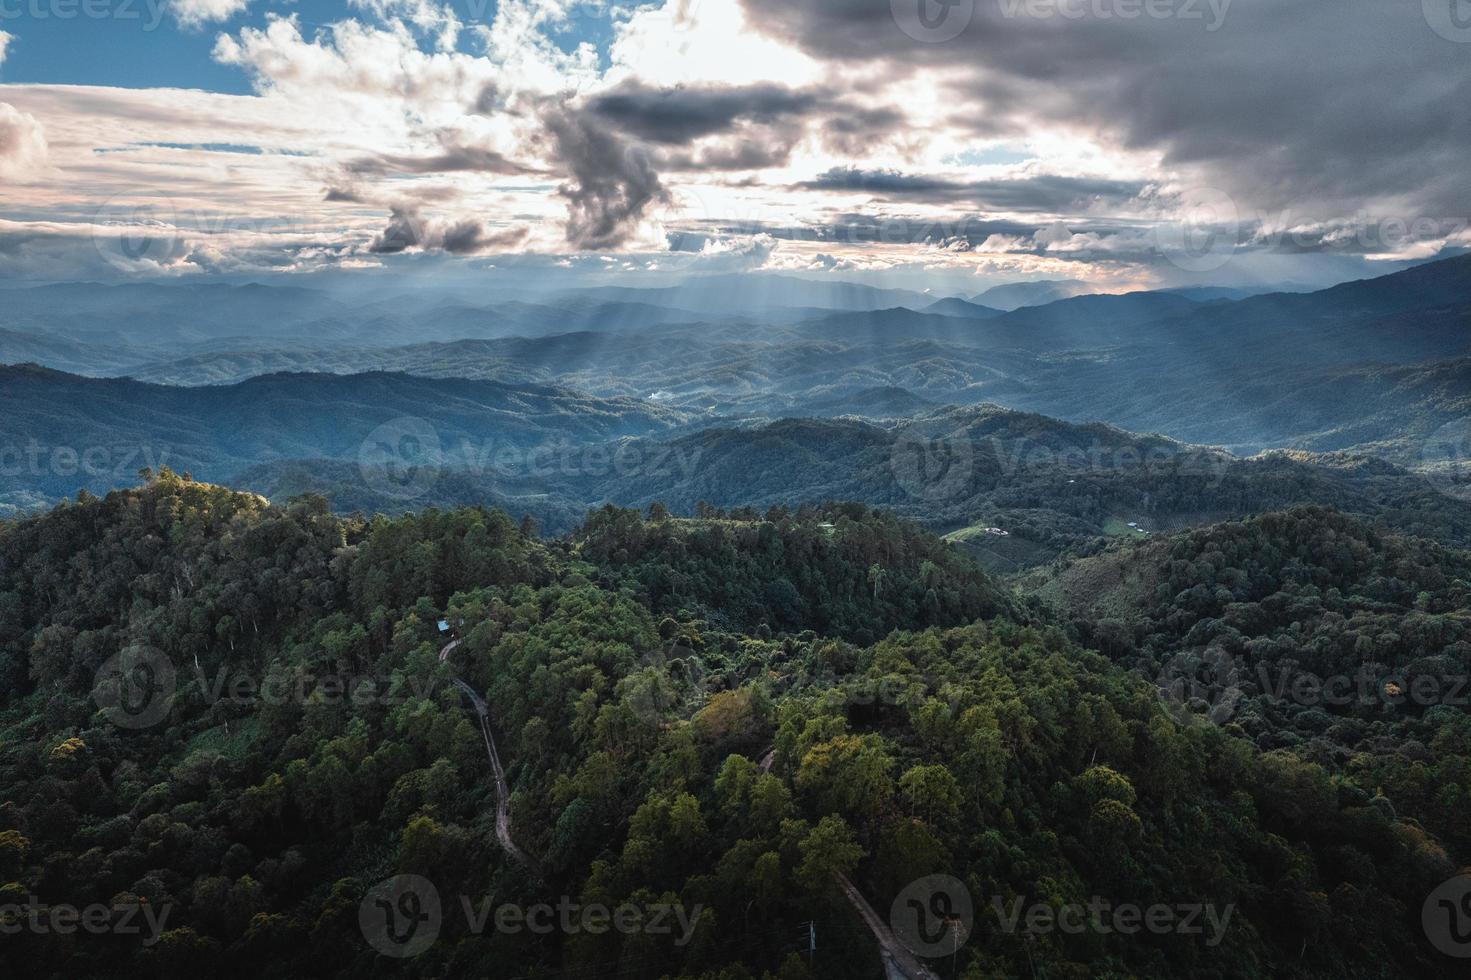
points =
(447, 649)
(502, 791)
(899, 962)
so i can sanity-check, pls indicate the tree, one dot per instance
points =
(830, 848)
(848, 774)
(14, 848)
(932, 793)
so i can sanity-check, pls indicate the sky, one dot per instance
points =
(939, 144)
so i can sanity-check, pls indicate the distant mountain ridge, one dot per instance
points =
(1015, 295)
(1374, 366)
(955, 306)
(1053, 486)
(215, 432)
(747, 292)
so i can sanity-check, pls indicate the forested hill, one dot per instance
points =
(1307, 630)
(658, 746)
(1053, 485)
(60, 432)
(839, 569)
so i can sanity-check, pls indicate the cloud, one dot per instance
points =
(745, 152)
(1045, 193)
(1218, 94)
(719, 127)
(194, 14)
(853, 130)
(471, 237)
(450, 159)
(23, 150)
(409, 229)
(405, 230)
(611, 183)
(426, 16)
(723, 120)
(489, 101)
(345, 193)
(723, 253)
(127, 240)
(896, 229)
(374, 74)
(5, 39)
(681, 115)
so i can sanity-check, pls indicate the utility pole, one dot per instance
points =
(810, 933)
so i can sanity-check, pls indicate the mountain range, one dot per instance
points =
(1014, 295)
(279, 389)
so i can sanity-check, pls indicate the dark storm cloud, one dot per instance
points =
(678, 116)
(408, 228)
(1043, 193)
(348, 195)
(772, 149)
(471, 237)
(611, 182)
(1311, 104)
(726, 127)
(852, 131)
(890, 182)
(464, 237)
(405, 230)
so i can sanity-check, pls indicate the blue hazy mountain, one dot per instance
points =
(1015, 295)
(1374, 365)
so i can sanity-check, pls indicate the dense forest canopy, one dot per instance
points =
(728, 716)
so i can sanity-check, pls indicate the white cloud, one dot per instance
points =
(22, 144)
(197, 13)
(426, 15)
(704, 41)
(5, 39)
